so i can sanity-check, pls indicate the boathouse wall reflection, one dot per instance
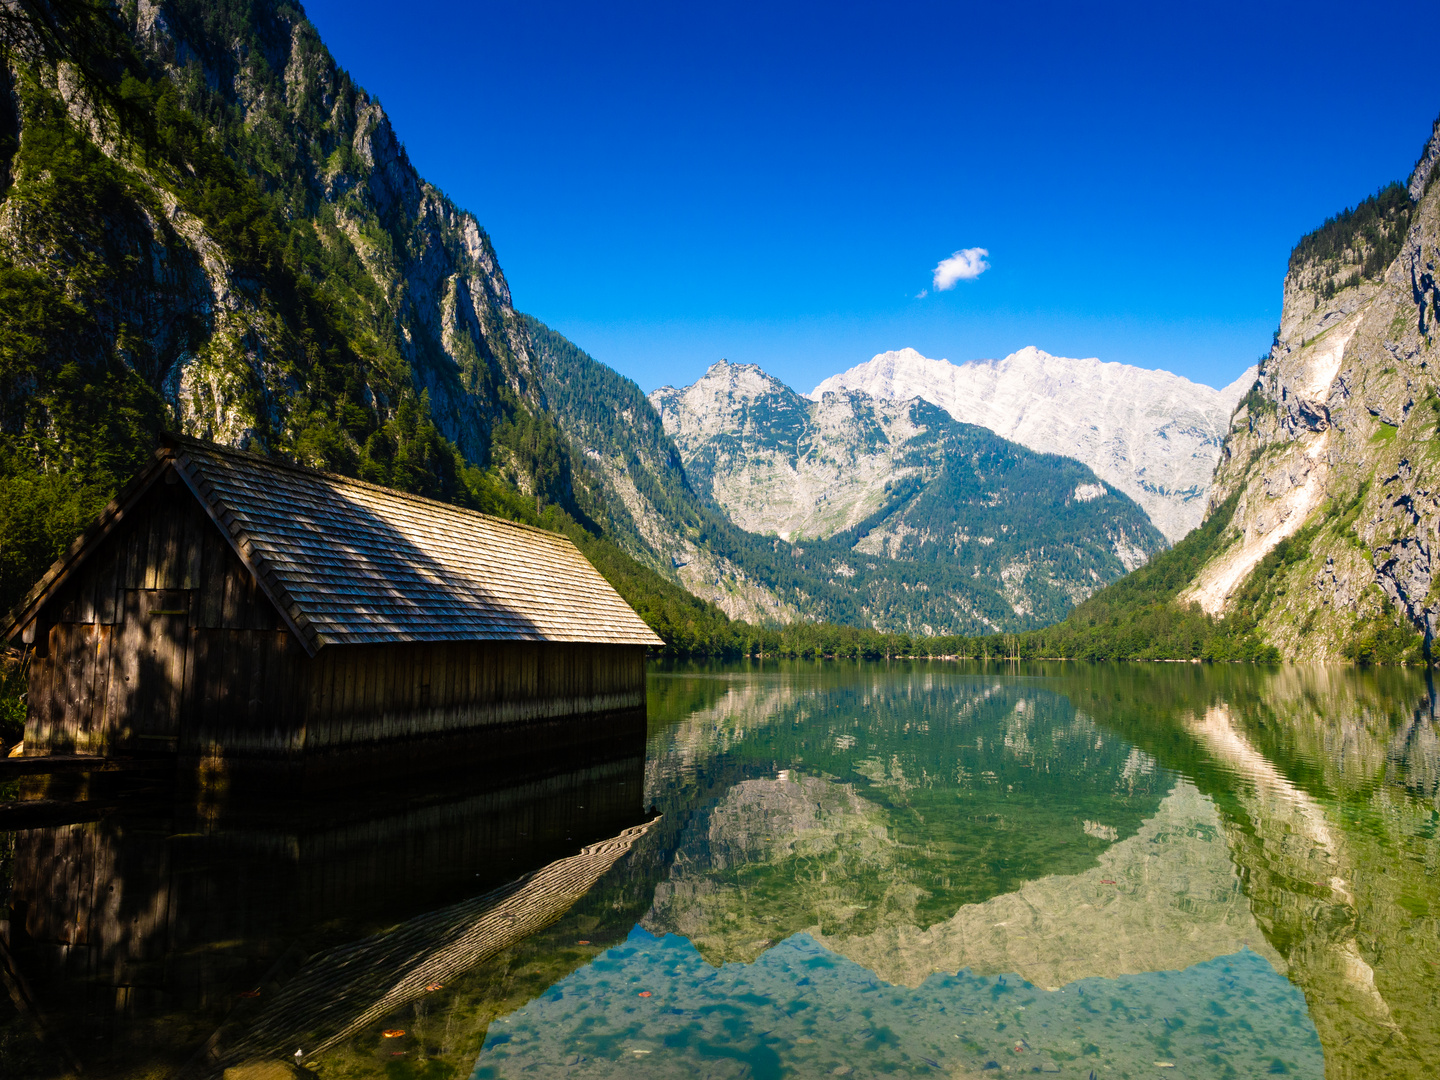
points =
(140, 933)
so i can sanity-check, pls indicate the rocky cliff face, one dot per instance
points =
(903, 480)
(1333, 459)
(784, 465)
(195, 304)
(1153, 435)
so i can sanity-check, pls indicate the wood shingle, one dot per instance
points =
(347, 562)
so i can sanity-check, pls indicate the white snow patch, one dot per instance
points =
(1150, 433)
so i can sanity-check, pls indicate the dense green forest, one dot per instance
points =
(1368, 236)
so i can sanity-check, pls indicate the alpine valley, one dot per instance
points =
(207, 227)
(902, 479)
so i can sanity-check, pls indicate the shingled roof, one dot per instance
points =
(347, 562)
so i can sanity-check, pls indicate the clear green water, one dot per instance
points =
(1070, 870)
(813, 870)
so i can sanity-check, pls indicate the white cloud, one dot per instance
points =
(964, 265)
(922, 294)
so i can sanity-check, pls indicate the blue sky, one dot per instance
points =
(773, 183)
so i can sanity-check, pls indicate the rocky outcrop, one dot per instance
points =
(1153, 435)
(213, 324)
(1425, 167)
(1334, 453)
(784, 465)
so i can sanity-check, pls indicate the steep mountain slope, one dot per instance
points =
(904, 480)
(869, 574)
(1334, 461)
(1153, 435)
(1324, 509)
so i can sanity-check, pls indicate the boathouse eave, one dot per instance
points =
(305, 634)
(24, 615)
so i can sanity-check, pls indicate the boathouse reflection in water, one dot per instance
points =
(191, 936)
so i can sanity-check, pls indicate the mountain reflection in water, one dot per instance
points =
(927, 869)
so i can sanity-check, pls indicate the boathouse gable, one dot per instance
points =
(226, 604)
(155, 617)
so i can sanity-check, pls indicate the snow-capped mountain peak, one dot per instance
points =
(1153, 434)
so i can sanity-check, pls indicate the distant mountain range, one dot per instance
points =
(903, 479)
(207, 227)
(1153, 435)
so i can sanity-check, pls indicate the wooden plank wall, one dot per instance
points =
(117, 670)
(163, 642)
(361, 694)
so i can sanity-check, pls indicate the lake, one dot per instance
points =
(806, 869)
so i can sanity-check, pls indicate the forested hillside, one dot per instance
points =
(207, 227)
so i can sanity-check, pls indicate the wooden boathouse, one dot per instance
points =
(227, 605)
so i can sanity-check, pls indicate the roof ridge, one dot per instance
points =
(204, 446)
